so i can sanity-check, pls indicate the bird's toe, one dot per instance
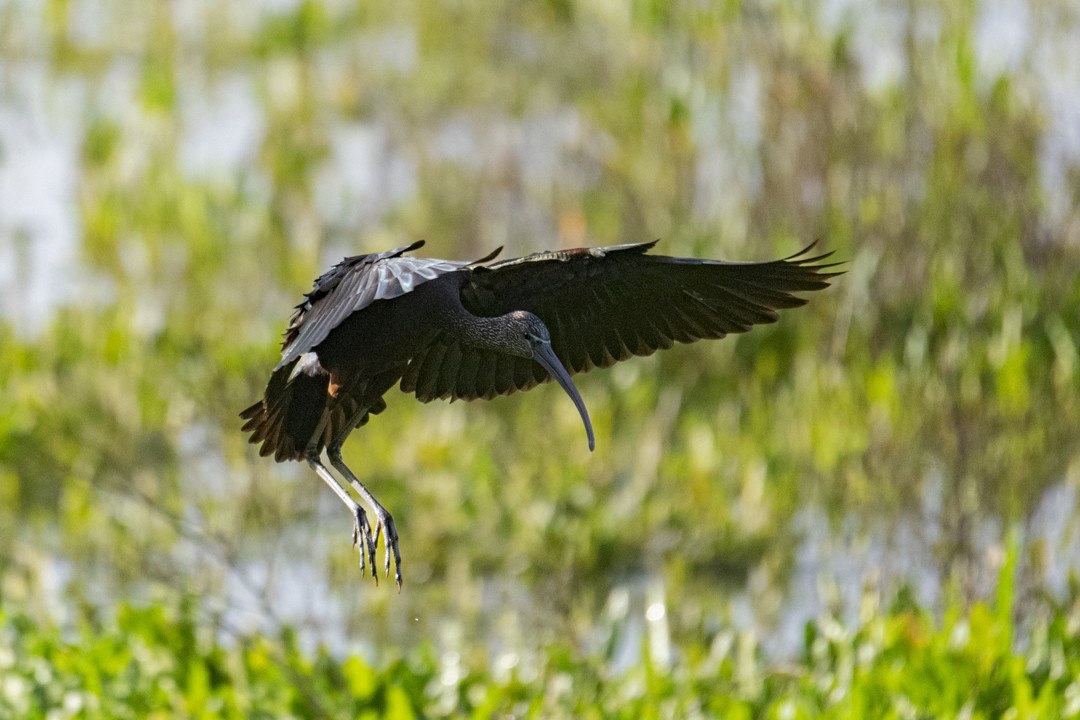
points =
(389, 531)
(362, 537)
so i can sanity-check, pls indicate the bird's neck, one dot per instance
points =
(484, 333)
(480, 332)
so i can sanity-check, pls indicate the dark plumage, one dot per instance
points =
(468, 330)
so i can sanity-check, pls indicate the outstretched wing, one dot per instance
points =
(606, 304)
(353, 284)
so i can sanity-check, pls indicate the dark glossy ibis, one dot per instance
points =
(468, 330)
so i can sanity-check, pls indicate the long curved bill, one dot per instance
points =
(544, 355)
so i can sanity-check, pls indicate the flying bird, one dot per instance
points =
(458, 330)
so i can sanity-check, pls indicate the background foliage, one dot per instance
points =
(172, 176)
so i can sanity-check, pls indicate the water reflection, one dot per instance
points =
(39, 215)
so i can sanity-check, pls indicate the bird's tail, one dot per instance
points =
(287, 417)
(291, 411)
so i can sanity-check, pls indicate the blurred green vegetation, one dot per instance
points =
(159, 661)
(934, 390)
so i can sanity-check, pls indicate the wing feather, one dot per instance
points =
(448, 370)
(504, 374)
(485, 376)
(604, 305)
(467, 372)
(524, 374)
(427, 387)
(354, 284)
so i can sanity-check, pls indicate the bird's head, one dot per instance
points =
(529, 331)
(530, 338)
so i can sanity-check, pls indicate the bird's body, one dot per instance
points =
(468, 330)
(356, 364)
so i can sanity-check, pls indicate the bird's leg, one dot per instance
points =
(361, 528)
(384, 522)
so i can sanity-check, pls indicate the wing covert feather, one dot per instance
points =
(353, 284)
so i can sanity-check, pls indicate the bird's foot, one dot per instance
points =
(385, 526)
(362, 536)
